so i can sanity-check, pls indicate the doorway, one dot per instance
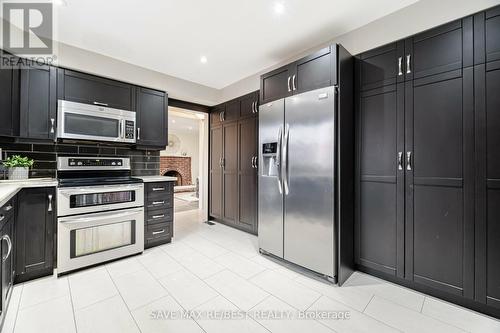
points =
(186, 158)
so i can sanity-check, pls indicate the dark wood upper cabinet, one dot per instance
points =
(35, 228)
(216, 115)
(9, 101)
(439, 50)
(232, 111)
(38, 102)
(276, 84)
(381, 66)
(315, 71)
(152, 122)
(249, 105)
(89, 89)
(487, 36)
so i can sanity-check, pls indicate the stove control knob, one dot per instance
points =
(119, 163)
(113, 163)
(71, 163)
(80, 163)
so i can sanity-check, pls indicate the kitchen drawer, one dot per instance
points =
(158, 234)
(157, 189)
(163, 202)
(159, 216)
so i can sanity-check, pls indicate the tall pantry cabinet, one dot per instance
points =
(427, 161)
(233, 163)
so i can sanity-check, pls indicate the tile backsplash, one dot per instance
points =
(143, 162)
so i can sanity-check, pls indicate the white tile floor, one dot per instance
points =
(214, 271)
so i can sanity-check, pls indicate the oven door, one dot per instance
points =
(95, 238)
(89, 122)
(89, 199)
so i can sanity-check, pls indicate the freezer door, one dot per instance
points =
(271, 117)
(309, 187)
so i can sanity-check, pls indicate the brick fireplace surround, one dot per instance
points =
(177, 166)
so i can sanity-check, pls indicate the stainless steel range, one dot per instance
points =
(100, 210)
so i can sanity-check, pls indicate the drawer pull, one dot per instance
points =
(158, 216)
(158, 202)
(9, 207)
(158, 189)
(158, 232)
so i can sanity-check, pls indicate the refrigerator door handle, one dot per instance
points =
(285, 160)
(278, 160)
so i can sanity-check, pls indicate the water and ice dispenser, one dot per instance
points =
(270, 159)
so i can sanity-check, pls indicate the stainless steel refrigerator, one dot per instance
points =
(300, 181)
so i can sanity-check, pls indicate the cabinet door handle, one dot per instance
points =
(256, 107)
(253, 107)
(138, 133)
(50, 203)
(9, 247)
(223, 116)
(400, 66)
(100, 104)
(2, 217)
(158, 216)
(52, 128)
(253, 162)
(158, 189)
(294, 82)
(158, 232)
(8, 208)
(223, 160)
(408, 64)
(289, 89)
(408, 161)
(158, 203)
(400, 160)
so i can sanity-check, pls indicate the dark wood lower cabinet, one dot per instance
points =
(487, 246)
(35, 228)
(247, 174)
(216, 149)
(158, 213)
(439, 182)
(230, 173)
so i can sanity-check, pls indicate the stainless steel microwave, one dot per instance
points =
(95, 123)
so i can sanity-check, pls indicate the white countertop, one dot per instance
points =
(9, 188)
(151, 179)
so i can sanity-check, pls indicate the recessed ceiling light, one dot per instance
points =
(279, 8)
(173, 121)
(60, 2)
(203, 59)
(190, 128)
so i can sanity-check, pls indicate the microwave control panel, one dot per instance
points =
(129, 129)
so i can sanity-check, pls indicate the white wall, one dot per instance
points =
(86, 61)
(408, 21)
(190, 143)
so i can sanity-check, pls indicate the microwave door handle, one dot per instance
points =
(120, 132)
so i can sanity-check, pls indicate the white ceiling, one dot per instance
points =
(238, 37)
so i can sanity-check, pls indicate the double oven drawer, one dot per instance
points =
(159, 213)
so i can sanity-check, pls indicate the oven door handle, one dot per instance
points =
(100, 216)
(100, 189)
